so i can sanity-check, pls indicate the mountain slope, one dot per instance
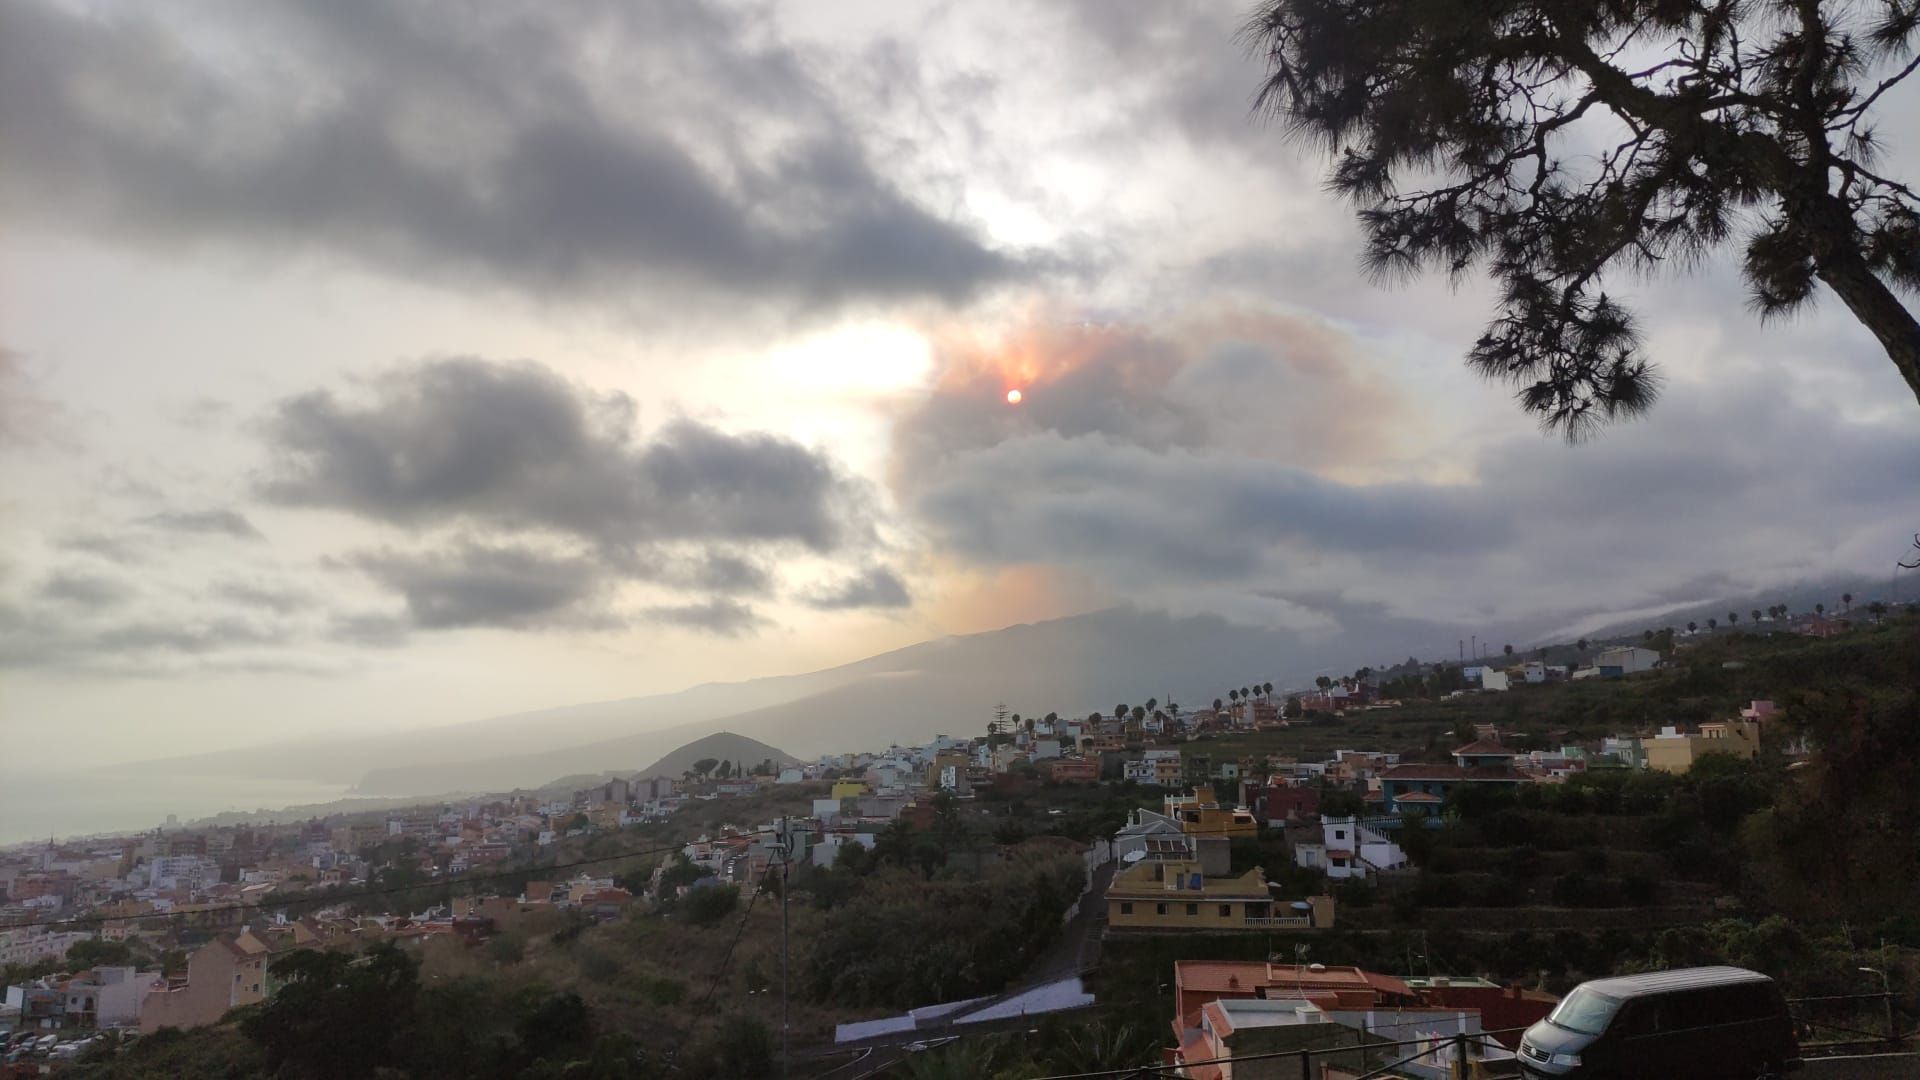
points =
(953, 685)
(722, 746)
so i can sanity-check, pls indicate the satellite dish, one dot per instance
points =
(1316, 967)
(1302, 905)
(1133, 856)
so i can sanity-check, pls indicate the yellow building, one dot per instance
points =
(849, 789)
(1675, 751)
(1175, 895)
(1200, 814)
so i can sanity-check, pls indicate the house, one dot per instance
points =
(1625, 660)
(1676, 751)
(1349, 849)
(1197, 982)
(1073, 770)
(1423, 788)
(827, 851)
(1143, 826)
(1200, 814)
(1371, 1038)
(109, 997)
(225, 973)
(1494, 679)
(1505, 1009)
(1176, 894)
(1277, 802)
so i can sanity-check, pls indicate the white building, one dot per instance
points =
(1626, 660)
(829, 847)
(1493, 679)
(1348, 849)
(32, 944)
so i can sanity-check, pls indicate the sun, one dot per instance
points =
(1013, 397)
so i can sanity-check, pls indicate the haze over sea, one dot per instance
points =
(35, 804)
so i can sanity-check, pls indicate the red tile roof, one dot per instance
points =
(1483, 747)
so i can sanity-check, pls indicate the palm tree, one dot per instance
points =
(1267, 689)
(1152, 703)
(1876, 609)
(1509, 650)
(1692, 626)
(1233, 695)
(1819, 609)
(1733, 618)
(1120, 711)
(1581, 645)
(1245, 694)
(1847, 599)
(1648, 634)
(1139, 713)
(1756, 614)
(1713, 624)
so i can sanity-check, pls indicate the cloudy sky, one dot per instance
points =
(369, 365)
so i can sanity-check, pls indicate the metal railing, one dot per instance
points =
(1457, 1048)
(1454, 1046)
(1890, 1039)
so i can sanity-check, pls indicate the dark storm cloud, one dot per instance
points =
(877, 587)
(720, 617)
(705, 164)
(515, 446)
(85, 591)
(1717, 490)
(475, 584)
(1178, 514)
(206, 522)
(723, 573)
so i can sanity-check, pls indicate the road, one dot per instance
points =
(1075, 950)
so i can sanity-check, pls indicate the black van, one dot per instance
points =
(1710, 1021)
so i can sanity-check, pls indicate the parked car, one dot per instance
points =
(1692, 1022)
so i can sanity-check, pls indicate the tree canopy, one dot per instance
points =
(1561, 143)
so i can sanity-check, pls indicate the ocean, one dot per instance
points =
(36, 804)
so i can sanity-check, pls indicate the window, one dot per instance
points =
(1159, 909)
(1193, 909)
(1126, 907)
(1226, 911)
(1585, 1011)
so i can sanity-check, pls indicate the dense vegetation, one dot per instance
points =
(904, 938)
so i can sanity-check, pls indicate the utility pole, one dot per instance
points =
(786, 860)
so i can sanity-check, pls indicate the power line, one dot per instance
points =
(725, 960)
(286, 901)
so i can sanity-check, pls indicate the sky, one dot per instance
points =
(370, 366)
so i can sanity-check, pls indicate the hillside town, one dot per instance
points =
(115, 937)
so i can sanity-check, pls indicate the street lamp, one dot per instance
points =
(1886, 985)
